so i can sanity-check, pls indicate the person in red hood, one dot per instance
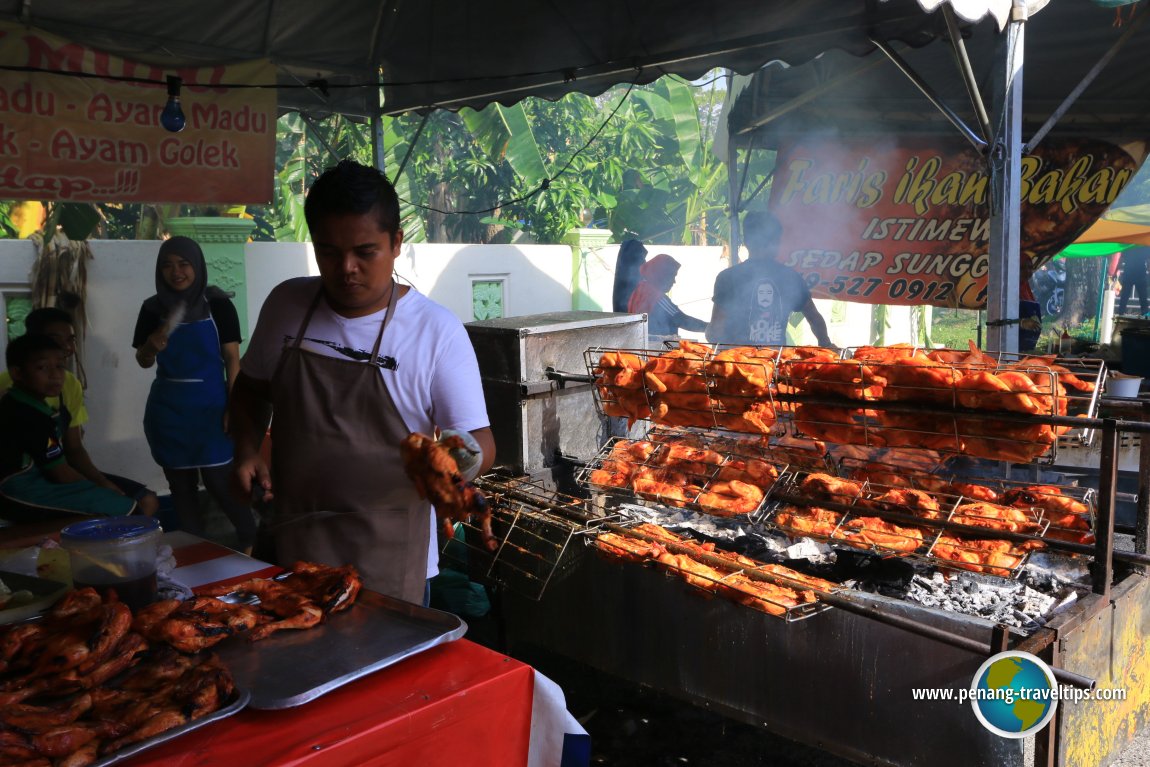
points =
(664, 318)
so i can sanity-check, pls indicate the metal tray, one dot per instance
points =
(222, 713)
(292, 667)
(44, 595)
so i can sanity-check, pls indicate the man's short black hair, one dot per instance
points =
(38, 320)
(353, 188)
(21, 350)
(762, 232)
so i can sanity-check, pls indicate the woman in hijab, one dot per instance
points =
(191, 332)
(650, 297)
(630, 260)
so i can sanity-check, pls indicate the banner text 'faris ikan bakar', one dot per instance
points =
(880, 223)
(68, 138)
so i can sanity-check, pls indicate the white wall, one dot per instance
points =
(537, 279)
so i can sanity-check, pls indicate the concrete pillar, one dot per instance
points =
(222, 240)
(582, 242)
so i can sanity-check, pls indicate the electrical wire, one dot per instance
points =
(685, 81)
(543, 186)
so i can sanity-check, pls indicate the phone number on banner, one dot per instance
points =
(900, 289)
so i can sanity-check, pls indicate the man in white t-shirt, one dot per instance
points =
(350, 363)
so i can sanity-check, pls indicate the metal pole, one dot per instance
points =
(1142, 520)
(1005, 181)
(1103, 565)
(734, 190)
(968, 78)
(931, 96)
(1095, 70)
(378, 150)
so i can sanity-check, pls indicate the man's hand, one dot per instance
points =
(253, 477)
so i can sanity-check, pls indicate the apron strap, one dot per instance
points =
(307, 318)
(387, 318)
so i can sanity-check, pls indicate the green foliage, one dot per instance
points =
(78, 220)
(647, 171)
(7, 228)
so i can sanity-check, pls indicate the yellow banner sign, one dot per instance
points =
(78, 125)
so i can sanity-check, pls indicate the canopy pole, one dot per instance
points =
(378, 150)
(734, 191)
(1095, 70)
(931, 96)
(1005, 184)
(958, 47)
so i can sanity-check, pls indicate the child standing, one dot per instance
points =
(29, 427)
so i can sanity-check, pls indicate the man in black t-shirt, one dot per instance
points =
(754, 300)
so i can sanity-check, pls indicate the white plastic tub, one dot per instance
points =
(1119, 385)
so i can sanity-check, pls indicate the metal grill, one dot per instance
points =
(533, 528)
(773, 589)
(980, 405)
(1069, 510)
(900, 521)
(976, 404)
(710, 473)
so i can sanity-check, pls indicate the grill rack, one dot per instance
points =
(533, 527)
(855, 401)
(959, 483)
(951, 509)
(737, 574)
(729, 388)
(685, 470)
(874, 403)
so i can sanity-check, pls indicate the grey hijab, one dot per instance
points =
(191, 303)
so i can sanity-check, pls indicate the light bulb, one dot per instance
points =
(172, 118)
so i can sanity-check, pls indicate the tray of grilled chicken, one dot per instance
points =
(323, 632)
(695, 385)
(81, 685)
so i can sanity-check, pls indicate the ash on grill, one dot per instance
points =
(1045, 586)
(1010, 602)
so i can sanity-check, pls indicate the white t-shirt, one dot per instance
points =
(434, 380)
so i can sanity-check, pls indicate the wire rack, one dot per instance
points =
(533, 529)
(897, 521)
(694, 385)
(772, 589)
(1069, 510)
(979, 405)
(994, 403)
(713, 474)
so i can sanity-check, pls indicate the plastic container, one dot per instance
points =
(1119, 385)
(115, 554)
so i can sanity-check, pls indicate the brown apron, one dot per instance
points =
(341, 495)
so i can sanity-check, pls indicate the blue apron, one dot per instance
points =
(184, 418)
